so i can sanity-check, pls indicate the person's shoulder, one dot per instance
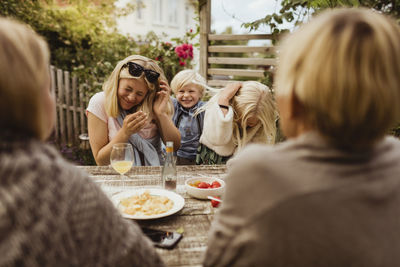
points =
(200, 103)
(263, 158)
(392, 141)
(389, 147)
(56, 159)
(256, 154)
(50, 167)
(98, 97)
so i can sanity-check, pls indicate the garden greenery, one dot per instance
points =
(83, 38)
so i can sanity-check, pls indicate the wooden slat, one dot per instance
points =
(205, 28)
(71, 108)
(235, 37)
(219, 83)
(242, 61)
(241, 49)
(74, 108)
(68, 110)
(60, 101)
(53, 94)
(237, 72)
(82, 108)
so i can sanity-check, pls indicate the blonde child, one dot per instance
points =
(188, 87)
(241, 113)
(134, 107)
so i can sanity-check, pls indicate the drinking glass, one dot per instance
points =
(121, 159)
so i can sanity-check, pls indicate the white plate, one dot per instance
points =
(178, 200)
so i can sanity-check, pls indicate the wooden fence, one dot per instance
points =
(255, 61)
(71, 101)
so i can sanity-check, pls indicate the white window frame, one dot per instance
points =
(140, 10)
(157, 12)
(173, 18)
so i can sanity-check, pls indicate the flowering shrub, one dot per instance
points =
(172, 56)
(185, 53)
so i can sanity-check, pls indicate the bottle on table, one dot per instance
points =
(168, 174)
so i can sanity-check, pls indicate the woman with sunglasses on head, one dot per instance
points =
(134, 107)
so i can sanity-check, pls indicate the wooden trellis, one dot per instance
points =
(254, 64)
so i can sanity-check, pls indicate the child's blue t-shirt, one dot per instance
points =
(190, 127)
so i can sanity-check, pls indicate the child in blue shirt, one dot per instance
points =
(188, 87)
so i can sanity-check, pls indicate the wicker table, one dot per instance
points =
(194, 218)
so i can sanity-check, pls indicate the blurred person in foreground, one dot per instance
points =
(330, 195)
(51, 214)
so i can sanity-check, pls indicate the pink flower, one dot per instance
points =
(191, 30)
(184, 51)
(178, 49)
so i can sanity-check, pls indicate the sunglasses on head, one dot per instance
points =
(136, 70)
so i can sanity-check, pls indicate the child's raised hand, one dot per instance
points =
(134, 122)
(228, 93)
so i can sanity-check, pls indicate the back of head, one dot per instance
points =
(186, 77)
(343, 67)
(24, 74)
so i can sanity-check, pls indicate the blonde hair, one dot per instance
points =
(344, 68)
(186, 77)
(110, 86)
(24, 73)
(253, 99)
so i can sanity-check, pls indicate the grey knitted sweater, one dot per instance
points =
(51, 214)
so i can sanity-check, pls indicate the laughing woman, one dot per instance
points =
(134, 107)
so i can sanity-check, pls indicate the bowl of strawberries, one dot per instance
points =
(203, 187)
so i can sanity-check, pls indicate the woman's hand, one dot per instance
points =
(162, 97)
(165, 87)
(134, 122)
(228, 93)
(160, 105)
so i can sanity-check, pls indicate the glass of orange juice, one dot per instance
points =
(122, 159)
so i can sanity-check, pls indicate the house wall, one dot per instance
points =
(171, 17)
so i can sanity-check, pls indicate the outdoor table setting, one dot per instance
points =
(193, 220)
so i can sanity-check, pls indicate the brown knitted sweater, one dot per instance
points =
(51, 214)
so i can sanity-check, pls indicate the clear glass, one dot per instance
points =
(169, 174)
(122, 159)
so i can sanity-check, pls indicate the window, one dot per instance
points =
(139, 9)
(173, 12)
(157, 11)
(186, 15)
